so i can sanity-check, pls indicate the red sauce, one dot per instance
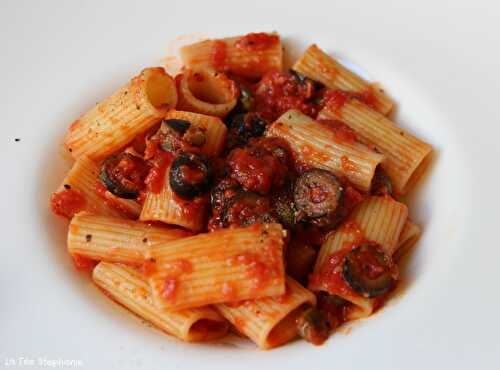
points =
(67, 202)
(82, 263)
(285, 297)
(343, 133)
(156, 177)
(329, 277)
(351, 198)
(75, 125)
(257, 41)
(148, 268)
(219, 55)
(241, 211)
(191, 208)
(240, 323)
(347, 164)
(259, 272)
(256, 169)
(178, 267)
(335, 100)
(228, 291)
(279, 92)
(169, 290)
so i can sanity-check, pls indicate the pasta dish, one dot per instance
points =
(242, 195)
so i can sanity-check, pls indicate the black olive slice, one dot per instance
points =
(243, 127)
(312, 325)
(368, 270)
(190, 175)
(221, 193)
(178, 125)
(124, 175)
(381, 183)
(317, 193)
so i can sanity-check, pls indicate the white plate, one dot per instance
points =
(440, 62)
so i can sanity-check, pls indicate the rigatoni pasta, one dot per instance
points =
(81, 191)
(407, 239)
(251, 55)
(269, 321)
(116, 240)
(319, 147)
(223, 266)
(377, 220)
(406, 155)
(319, 66)
(206, 91)
(200, 197)
(129, 288)
(115, 121)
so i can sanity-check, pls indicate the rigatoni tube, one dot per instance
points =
(82, 182)
(376, 219)
(406, 156)
(223, 266)
(250, 55)
(129, 288)
(270, 321)
(319, 66)
(317, 146)
(116, 240)
(115, 121)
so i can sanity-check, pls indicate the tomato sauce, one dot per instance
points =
(156, 177)
(219, 55)
(169, 290)
(82, 263)
(335, 100)
(279, 92)
(229, 291)
(67, 202)
(257, 41)
(240, 323)
(329, 277)
(256, 169)
(343, 133)
(347, 164)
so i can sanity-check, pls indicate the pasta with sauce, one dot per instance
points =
(241, 194)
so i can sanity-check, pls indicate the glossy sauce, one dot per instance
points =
(67, 202)
(257, 41)
(278, 92)
(219, 55)
(156, 177)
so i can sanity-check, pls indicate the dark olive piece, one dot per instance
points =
(312, 325)
(317, 193)
(303, 80)
(381, 183)
(368, 270)
(243, 127)
(124, 175)
(190, 175)
(224, 191)
(179, 125)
